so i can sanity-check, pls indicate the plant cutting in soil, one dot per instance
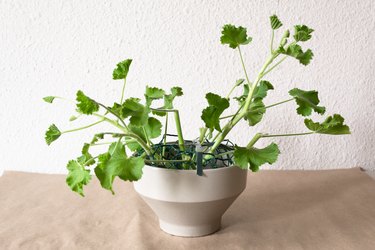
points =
(136, 122)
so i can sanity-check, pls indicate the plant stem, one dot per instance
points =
(275, 65)
(93, 158)
(113, 113)
(81, 128)
(243, 66)
(181, 142)
(123, 90)
(202, 134)
(232, 89)
(278, 103)
(165, 133)
(227, 128)
(146, 136)
(225, 153)
(269, 106)
(272, 37)
(225, 117)
(128, 133)
(282, 135)
(254, 140)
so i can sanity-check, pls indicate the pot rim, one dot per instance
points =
(192, 170)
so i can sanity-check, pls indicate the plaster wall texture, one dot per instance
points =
(57, 47)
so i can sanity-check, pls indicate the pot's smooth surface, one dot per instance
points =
(187, 204)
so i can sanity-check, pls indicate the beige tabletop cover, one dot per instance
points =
(332, 209)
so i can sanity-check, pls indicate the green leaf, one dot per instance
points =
(85, 104)
(96, 138)
(239, 82)
(255, 157)
(168, 99)
(302, 33)
(122, 69)
(117, 109)
(87, 161)
(241, 99)
(211, 114)
(116, 163)
(73, 118)
(260, 91)
(333, 125)
(137, 112)
(49, 99)
(255, 113)
(275, 22)
(305, 57)
(77, 177)
(307, 101)
(152, 128)
(52, 134)
(153, 94)
(294, 50)
(234, 36)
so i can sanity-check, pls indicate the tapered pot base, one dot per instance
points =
(191, 230)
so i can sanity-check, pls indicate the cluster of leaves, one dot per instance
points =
(251, 105)
(138, 121)
(137, 125)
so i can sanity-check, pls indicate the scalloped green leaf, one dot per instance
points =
(211, 114)
(117, 164)
(302, 33)
(255, 113)
(234, 36)
(333, 125)
(52, 134)
(275, 22)
(77, 177)
(49, 99)
(122, 70)
(85, 104)
(137, 112)
(253, 158)
(307, 101)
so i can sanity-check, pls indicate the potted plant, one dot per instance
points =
(191, 183)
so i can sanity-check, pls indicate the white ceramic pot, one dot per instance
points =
(187, 204)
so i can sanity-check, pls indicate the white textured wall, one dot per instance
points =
(56, 47)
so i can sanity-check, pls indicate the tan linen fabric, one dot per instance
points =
(332, 209)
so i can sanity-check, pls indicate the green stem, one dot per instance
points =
(165, 133)
(254, 140)
(274, 66)
(278, 103)
(202, 134)
(225, 153)
(128, 133)
(81, 128)
(123, 90)
(93, 158)
(146, 136)
(181, 142)
(225, 117)
(282, 135)
(227, 128)
(243, 66)
(269, 106)
(272, 37)
(113, 113)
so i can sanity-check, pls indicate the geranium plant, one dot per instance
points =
(137, 123)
